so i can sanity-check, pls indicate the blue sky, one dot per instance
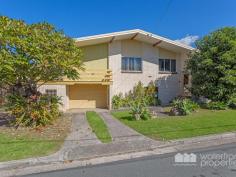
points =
(174, 19)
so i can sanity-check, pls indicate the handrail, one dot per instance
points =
(102, 76)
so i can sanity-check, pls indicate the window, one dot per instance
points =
(167, 65)
(51, 92)
(161, 64)
(131, 64)
(173, 65)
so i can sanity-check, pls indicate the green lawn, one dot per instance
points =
(12, 148)
(203, 122)
(25, 142)
(98, 126)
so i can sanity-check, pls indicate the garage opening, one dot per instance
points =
(88, 96)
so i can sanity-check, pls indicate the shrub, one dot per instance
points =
(232, 102)
(139, 110)
(183, 106)
(148, 94)
(35, 111)
(145, 115)
(138, 91)
(216, 105)
(117, 101)
(139, 99)
(126, 101)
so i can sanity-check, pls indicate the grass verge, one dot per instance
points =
(98, 126)
(203, 122)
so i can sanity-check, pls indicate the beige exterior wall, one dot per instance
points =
(163, 53)
(62, 91)
(104, 56)
(80, 95)
(95, 57)
(124, 82)
(169, 84)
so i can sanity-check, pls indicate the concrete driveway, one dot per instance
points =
(82, 143)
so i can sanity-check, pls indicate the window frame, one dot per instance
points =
(128, 68)
(50, 92)
(170, 65)
(175, 69)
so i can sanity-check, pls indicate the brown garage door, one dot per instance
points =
(88, 96)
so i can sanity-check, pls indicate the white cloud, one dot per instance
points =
(188, 40)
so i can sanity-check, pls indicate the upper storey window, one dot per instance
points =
(167, 65)
(131, 64)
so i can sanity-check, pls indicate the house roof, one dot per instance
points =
(136, 34)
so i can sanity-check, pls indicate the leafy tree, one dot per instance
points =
(32, 55)
(213, 65)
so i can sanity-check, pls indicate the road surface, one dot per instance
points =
(161, 166)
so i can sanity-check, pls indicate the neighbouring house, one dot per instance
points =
(115, 62)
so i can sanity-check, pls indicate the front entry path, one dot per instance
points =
(81, 133)
(83, 144)
(121, 132)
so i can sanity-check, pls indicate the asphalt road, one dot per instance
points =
(161, 166)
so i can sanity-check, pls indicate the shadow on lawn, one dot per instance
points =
(129, 118)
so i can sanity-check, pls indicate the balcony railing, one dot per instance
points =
(103, 77)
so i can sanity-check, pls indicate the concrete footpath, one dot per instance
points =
(82, 148)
